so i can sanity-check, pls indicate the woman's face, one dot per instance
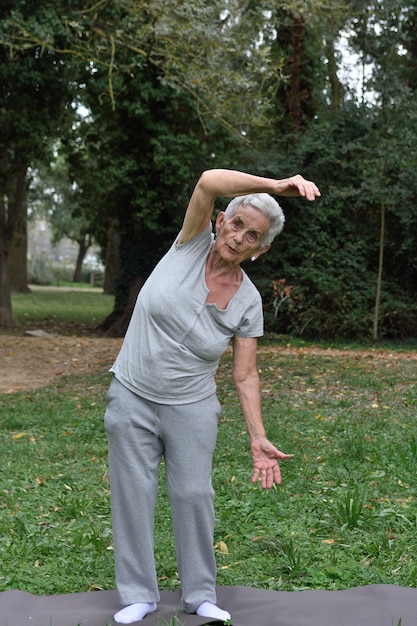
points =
(239, 237)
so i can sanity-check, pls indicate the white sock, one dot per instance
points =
(207, 609)
(134, 612)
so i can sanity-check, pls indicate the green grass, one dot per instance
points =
(62, 310)
(346, 514)
(55, 525)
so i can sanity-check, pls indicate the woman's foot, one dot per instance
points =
(207, 609)
(134, 612)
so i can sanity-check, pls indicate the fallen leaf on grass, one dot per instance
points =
(222, 547)
(18, 436)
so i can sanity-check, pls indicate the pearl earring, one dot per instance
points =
(253, 258)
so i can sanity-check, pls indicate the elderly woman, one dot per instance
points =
(162, 400)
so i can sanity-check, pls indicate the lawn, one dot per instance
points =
(62, 310)
(345, 515)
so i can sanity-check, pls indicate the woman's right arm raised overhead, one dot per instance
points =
(232, 183)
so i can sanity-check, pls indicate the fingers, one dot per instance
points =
(306, 188)
(283, 456)
(268, 477)
(277, 474)
(266, 458)
(309, 190)
(255, 475)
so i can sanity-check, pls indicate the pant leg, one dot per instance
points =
(189, 433)
(135, 451)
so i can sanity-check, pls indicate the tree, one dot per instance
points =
(60, 200)
(199, 46)
(35, 89)
(361, 159)
(385, 37)
(175, 87)
(192, 47)
(17, 259)
(143, 159)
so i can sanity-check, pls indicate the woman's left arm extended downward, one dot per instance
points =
(265, 455)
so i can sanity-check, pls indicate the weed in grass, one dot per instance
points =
(413, 448)
(349, 508)
(294, 562)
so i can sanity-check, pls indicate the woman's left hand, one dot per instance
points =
(266, 457)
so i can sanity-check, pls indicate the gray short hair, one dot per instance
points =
(264, 203)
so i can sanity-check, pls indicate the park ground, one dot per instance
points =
(30, 362)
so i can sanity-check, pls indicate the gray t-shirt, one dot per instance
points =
(175, 339)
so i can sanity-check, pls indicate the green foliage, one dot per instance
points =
(35, 92)
(328, 251)
(43, 271)
(40, 271)
(36, 89)
(138, 164)
(203, 49)
(166, 100)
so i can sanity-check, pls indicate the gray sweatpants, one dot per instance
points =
(139, 434)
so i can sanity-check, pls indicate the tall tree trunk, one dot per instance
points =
(6, 317)
(112, 257)
(17, 260)
(83, 245)
(335, 84)
(294, 95)
(380, 270)
(11, 199)
(115, 325)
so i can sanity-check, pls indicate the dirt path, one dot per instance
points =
(31, 362)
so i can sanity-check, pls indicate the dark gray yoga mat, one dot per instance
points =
(374, 605)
